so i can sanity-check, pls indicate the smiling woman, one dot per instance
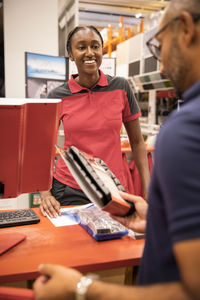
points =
(94, 105)
(87, 53)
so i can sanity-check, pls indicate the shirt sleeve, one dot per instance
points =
(131, 109)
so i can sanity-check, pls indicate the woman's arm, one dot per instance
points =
(49, 205)
(139, 152)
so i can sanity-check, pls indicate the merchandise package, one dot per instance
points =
(99, 224)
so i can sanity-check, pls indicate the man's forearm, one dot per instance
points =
(167, 291)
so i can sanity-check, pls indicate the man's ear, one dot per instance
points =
(189, 28)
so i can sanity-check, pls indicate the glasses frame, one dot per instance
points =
(152, 46)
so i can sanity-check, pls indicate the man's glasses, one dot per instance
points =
(153, 43)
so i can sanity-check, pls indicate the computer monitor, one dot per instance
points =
(45, 66)
(28, 134)
(44, 73)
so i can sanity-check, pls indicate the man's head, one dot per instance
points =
(178, 40)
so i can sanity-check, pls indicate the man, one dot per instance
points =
(170, 267)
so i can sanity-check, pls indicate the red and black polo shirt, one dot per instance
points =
(92, 119)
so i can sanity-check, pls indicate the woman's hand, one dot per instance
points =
(136, 221)
(49, 205)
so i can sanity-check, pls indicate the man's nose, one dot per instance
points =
(162, 68)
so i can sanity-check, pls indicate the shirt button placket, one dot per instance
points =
(90, 95)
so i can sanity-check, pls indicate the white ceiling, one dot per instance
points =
(144, 6)
(102, 12)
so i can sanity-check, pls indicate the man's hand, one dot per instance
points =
(137, 221)
(49, 205)
(56, 282)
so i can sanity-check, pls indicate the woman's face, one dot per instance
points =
(87, 51)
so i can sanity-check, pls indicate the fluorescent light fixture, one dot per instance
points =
(138, 15)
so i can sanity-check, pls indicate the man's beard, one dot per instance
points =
(177, 68)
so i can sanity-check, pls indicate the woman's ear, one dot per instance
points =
(71, 57)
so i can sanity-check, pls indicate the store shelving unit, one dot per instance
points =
(153, 90)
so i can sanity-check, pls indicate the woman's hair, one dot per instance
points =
(76, 29)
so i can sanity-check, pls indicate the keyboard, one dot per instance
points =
(18, 217)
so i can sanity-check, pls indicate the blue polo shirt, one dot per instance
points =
(174, 194)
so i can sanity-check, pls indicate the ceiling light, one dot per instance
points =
(138, 15)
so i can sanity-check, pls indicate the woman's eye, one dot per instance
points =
(95, 47)
(81, 47)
